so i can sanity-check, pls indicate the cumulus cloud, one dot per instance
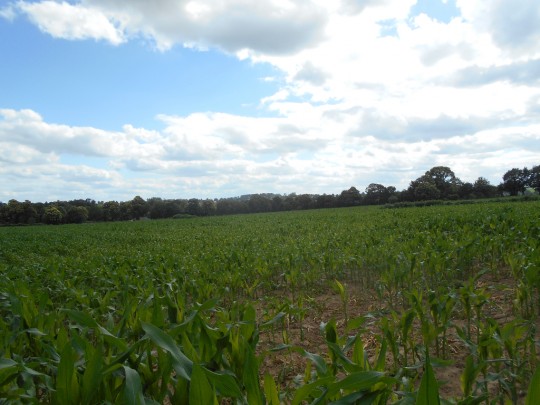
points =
(356, 104)
(269, 26)
(513, 26)
(76, 22)
(521, 73)
(278, 156)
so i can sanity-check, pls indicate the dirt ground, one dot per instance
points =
(284, 366)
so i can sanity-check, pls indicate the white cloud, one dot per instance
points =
(213, 155)
(357, 104)
(75, 22)
(270, 26)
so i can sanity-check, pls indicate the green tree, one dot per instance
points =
(534, 178)
(259, 203)
(426, 190)
(193, 207)
(484, 189)
(14, 212)
(208, 207)
(76, 215)
(52, 215)
(377, 194)
(138, 207)
(515, 181)
(350, 197)
(445, 180)
(111, 211)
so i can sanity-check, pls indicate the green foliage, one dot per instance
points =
(172, 311)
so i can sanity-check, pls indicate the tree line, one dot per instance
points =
(438, 183)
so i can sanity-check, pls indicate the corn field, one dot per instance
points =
(193, 311)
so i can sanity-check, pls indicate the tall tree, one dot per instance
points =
(534, 178)
(445, 180)
(377, 194)
(515, 181)
(482, 188)
(350, 197)
(53, 215)
(138, 207)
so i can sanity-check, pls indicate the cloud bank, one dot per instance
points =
(369, 93)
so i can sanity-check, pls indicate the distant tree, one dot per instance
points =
(445, 181)
(193, 207)
(53, 215)
(125, 211)
(515, 181)
(534, 178)
(138, 207)
(326, 201)
(14, 212)
(466, 190)
(290, 203)
(159, 208)
(208, 207)
(424, 188)
(484, 189)
(277, 203)
(111, 211)
(305, 201)
(28, 214)
(95, 212)
(76, 215)
(350, 198)
(377, 194)
(259, 203)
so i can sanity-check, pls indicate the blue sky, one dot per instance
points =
(108, 99)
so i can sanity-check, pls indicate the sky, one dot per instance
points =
(109, 99)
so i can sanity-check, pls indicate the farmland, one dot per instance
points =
(337, 305)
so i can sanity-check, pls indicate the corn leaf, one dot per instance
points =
(133, 388)
(428, 392)
(270, 390)
(533, 394)
(200, 390)
(182, 365)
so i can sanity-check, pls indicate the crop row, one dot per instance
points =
(173, 311)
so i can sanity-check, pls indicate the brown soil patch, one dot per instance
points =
(285, 366)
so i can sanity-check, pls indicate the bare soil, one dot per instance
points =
(285, 365)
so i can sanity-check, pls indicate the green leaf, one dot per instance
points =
(92, 374)
(182, 365)
(357, 398)
(9, 370)
(251, 378)
(469, 375)
(270, 390)
(224, 383)
(318, 362)
(67, 388)
(340, 289)
(200, 390)
(306, 390)
(133, 388)
(330, 331)
(533, 394)
(428, 392)
(274, 320)
(359, 381)
(6, 363)
(82, 318)
(356, 323)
